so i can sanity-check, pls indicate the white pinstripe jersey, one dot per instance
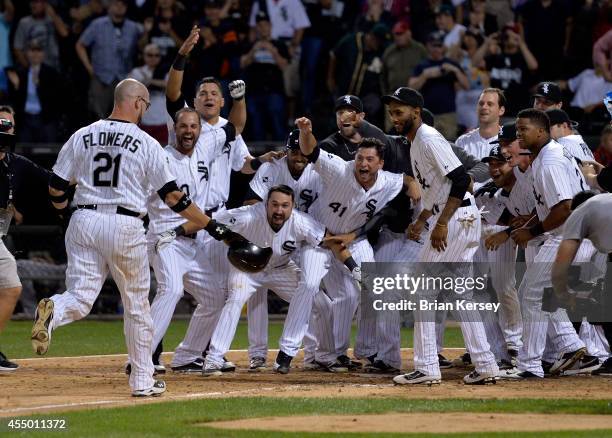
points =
(189, 178)
(251, 222)
(307, 188)
(576, 146)
(432, 159)
(344, 204)
(556, 177)
(519, 201)
(474, 144)
(219, 165)
(113, 162)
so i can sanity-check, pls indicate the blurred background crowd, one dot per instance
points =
(60, 59)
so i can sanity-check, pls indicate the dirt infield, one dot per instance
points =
(457, 422)
(60, 384)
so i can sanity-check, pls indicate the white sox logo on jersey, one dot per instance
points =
(227, 148)
(203, 170)
(308, 199)
(371, 206)
(537, 197)
(289, 246)
(422, 181)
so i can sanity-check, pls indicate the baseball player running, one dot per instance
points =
(454, 236)
(352, 193)
(556, 179)
(114, 165)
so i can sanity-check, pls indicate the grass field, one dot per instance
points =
(187, 418)
(84, 338)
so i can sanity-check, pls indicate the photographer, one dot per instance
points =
(17, 176)
(589, 220)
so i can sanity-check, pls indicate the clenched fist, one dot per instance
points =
(237, 89)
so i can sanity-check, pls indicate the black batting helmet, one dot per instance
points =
(248, 257)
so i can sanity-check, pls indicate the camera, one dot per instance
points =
(7, 141)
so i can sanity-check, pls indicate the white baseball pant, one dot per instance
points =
(96, 243)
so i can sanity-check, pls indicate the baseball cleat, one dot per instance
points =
(586, 365)
(463, 361)
(505, 364)
(567, 360)
(333, 367)
(191, 367)
(257, 364)
(516, 374)
(380, 367)
(605, 369)
(444, 363)
(211, 370)
(41, 331)
(347, 362)
(313, 366)
(6, 365)
(227, 367)
(282, 365)
(546, 368)
(415, 378)
(158, 388)
(475, 378)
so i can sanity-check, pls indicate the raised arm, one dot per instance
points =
(175, 75)
(308, 142)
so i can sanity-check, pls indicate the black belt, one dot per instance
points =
(120, 210)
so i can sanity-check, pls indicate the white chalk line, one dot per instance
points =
(94, 356)
(166, 397)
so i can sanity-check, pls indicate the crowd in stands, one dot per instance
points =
(61, 59)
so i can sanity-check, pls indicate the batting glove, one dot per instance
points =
(488, 189)
(237, 89)
(164, 239)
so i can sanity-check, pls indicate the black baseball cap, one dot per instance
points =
(405, 95)
(558, 116)
(262, 16)
(494, 155)
(213, 3)
(507, 133)
(293, 140)
(349, 101)
(550, 91)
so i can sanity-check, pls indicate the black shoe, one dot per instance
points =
(528, 375)
(193, 367)
(505, 365)
(605, 369)
(546, 367)
(227, 367)
(463, 361)
(380, 367)
(444, 363)
(586, 365)
(282, 363)
(6, 365)
(567, 360)
(346, 361)
(371, 359)
(333, 367)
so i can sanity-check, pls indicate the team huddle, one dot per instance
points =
(315, 207)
